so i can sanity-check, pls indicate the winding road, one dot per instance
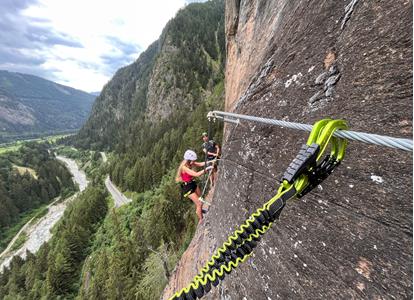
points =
(119, 198)
(104, 158)
(39, 232)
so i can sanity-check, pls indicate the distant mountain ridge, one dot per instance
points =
(30, 105)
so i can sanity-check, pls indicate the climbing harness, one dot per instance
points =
(305, 172)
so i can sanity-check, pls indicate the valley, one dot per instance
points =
(127, 229)
(31, 107)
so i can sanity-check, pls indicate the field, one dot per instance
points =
(7, 148)
(13, 146)
(23, 170)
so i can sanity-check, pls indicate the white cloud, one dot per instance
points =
(120, 29)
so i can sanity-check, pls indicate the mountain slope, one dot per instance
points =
(351, 238)
(144, 112)
(147, 115)
(173, 75)
(33, 105)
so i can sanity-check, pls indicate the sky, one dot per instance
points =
(79, 43)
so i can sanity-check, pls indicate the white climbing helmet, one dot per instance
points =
(190, 155)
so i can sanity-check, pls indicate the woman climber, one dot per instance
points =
(185, 175)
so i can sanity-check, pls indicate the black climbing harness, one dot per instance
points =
(304, 173)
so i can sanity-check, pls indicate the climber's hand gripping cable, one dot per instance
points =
(304, 173)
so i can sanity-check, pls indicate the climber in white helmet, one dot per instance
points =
(185, 175)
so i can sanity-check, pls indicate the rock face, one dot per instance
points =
(197, 254)
(303, 61)
(162, 96)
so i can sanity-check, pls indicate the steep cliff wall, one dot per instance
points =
(174, 75)
(302, 61)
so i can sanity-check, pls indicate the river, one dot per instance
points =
(39, 232)
(78, 175)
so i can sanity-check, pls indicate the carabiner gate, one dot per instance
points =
(308, 170)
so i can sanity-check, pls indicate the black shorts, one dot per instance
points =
(188, 188)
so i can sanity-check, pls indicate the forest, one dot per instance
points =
(29, 178)
(129, 252)
(54, 271)
(136, 242)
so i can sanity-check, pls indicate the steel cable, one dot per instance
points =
(369, 138)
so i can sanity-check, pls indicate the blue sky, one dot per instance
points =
(80, 43)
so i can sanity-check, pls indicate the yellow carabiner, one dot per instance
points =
(305, 172)
(326, 136)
